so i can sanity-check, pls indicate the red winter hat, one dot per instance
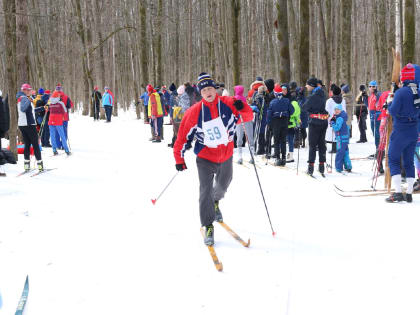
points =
(149, 88)
(47, 92)
(407, 73)
(277, 88)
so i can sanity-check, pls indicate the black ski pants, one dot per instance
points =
(280, 130)
(317, 141)
(30, 137)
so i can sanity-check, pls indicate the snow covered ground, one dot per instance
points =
(91, 241)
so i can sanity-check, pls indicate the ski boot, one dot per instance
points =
(395, 197)
(240, 161)
(156, 140)
(310, 170)
(409, 198)
(218, 216)
(321, 167)
(55, 152)
(40, 166)
(68, 153)
(416, 186)
(289, 158)
(277, 162)
(283, 162)
(27, 165)
(209, 235)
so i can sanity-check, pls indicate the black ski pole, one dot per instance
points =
(332, 144)
(258, 178)
(156, 199)
(299, 138)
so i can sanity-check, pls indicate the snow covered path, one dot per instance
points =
(92, 242)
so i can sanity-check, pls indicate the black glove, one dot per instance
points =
(289, 123)
(394, 87)
(238, 105)
(385, 106)
(181, 167)
(362, 88)
(333, 119)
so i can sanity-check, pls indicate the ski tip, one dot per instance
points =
(249, 242)
(154, 201)
(274, 234)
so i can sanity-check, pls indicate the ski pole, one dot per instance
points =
(332, 144)
(156, 199)
(299, 138)
(258, 178)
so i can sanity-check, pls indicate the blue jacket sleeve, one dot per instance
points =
(269, 112)
(338, 123)
(395, 105)
(291, 109)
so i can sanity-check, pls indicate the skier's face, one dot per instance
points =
(209, 94)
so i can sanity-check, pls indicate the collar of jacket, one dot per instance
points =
(210, 104)
(316, 89)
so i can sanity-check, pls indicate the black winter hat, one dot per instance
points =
(205, 80)
(336, 90)
(312, 82)
(293, 85)
(320, 82)
(258, 79)
(172, 87)
(269, 84)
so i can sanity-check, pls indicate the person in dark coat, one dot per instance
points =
(405, 112)
(318, 123)
(269, 96)
(278, 116)
(96, 103)
(362, 113)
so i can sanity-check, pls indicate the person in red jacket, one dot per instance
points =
(58, 111)
(211, 122)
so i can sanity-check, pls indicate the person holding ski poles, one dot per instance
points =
(211, 122)
(405, 112)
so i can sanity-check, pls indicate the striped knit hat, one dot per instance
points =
(408, 73)
(205, 80)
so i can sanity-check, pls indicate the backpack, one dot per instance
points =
(177, 114)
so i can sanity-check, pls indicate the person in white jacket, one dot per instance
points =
(336, 98)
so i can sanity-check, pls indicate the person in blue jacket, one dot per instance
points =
(341, 130)
(278, 115)
(145, 98)
(405, 112)
(107, 102)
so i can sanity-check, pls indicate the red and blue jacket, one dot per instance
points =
(191, 129)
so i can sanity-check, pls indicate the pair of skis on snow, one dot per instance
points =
(217, 263)
(35, 174)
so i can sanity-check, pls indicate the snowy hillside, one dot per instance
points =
(91, 241)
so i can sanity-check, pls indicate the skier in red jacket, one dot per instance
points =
(211, 122)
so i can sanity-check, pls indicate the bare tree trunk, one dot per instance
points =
(22, 42)
(145, 45)
(159, 69)
(10, 73)
(409, 32)
(345, 38)
(283, 37)
(304, 41)
(236, 7)
(324, 54)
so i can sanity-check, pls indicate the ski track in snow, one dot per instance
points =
(91, 241)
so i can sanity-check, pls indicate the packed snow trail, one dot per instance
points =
(92, 242)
